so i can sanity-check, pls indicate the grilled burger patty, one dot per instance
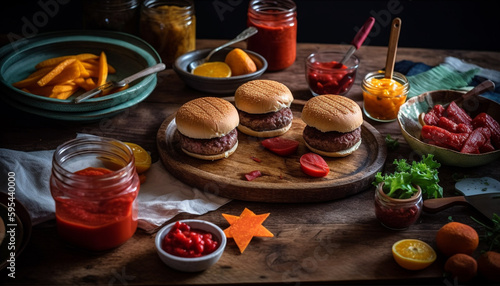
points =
(212, 146)
(332, 141)
(266, 121)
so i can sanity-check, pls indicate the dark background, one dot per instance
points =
(470, 25)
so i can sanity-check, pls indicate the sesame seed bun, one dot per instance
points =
(206, 118)
(332, 113)
(262, 96)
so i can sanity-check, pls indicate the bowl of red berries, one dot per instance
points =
(190, 245)
(325, 74)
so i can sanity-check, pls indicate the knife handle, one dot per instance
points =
(363, 33)
(437, 205)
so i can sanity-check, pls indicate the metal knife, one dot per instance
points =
(486, 204)
(112, 84)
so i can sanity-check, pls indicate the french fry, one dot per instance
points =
(71, 72)
(58, 60)
(103, 70)
(95, 63)
(55, 71)
(61, 77)
(85, 83)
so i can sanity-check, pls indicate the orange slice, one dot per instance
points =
(142, 158)
(213, 69)
(240, 62)
(413, 254)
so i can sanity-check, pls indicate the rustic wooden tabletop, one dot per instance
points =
(337, 241)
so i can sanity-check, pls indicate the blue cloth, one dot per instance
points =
(410, 68)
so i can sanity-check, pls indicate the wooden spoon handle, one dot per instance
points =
(393, 47)
(437, 205)
(483, 87)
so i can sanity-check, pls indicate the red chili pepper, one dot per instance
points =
(253, 175)
(255, 159)
(457, 114)
(444, 137)
(476, 140)
(431, 118)
(447, 124)
(485, 120)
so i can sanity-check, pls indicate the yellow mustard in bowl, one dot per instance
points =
(382, 96)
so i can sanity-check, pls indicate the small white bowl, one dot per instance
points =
(192, 264)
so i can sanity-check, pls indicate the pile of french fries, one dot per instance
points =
(61, 77)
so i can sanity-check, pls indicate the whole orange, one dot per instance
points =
(456, 237)
(461, 266)
(488, 265)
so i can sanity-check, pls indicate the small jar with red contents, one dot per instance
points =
(397, 214)
(94, 184)
(276, 40)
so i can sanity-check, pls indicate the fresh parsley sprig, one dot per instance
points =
(492, 233)
(401, 183)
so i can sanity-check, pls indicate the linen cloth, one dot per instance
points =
(453, 73)
(160, 198)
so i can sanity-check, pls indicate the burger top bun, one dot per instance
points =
(332, 113)
(206, 118)
(262, 96)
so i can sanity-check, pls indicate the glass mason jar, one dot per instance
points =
(395, 213)
(116, 15)
(94, 184)
(276, 40)
(169, 26)
(382, 96)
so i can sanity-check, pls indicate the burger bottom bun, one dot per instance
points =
(266, 133)
(212, 157)
(341, 153)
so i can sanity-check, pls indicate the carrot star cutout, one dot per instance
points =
(244, 227)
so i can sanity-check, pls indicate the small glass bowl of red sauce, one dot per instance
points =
(190, 245)
(326, 75)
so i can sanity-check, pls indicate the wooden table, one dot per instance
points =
(337, 241)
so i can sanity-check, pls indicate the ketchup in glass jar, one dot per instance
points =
(94, 184)
(276, 40)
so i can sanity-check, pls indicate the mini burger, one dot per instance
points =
(333, 125)
(264, 108)
(207, 128)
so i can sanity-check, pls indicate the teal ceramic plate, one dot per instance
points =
(411, 129)
(127, 53)
(87, 115)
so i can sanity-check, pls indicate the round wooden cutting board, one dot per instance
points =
(282, 180)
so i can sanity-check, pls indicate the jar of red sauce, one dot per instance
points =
(276, 40)
(397, 214)
(94, 184)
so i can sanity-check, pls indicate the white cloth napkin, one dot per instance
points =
(160, 198)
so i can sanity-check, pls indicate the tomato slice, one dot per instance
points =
(253, 175)
(281, 146)
(314, 165)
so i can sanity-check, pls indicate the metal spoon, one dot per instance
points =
(113, 84)
(247, 33)
(357, 41)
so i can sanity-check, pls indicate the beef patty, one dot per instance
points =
(266, 121)
(332, 141)
(212, 146)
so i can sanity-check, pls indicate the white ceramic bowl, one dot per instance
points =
(192, 264)
(411, 128)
